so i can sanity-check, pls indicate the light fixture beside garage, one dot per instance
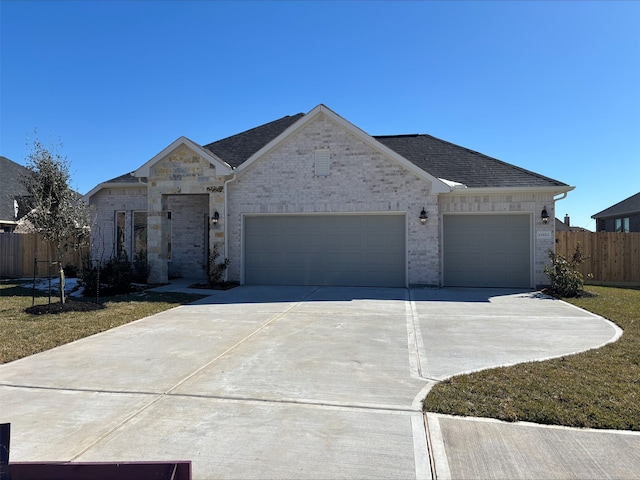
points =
(544, 216)
(215, 218)
(423, 216)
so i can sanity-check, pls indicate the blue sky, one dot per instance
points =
(552, 87)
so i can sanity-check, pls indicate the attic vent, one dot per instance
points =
(322, 163)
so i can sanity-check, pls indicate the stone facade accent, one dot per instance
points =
(182, 172)
(361, 180)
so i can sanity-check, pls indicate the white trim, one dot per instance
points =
(222, 168)
(437, 185)
(510, 190)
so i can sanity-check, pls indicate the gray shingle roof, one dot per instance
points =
(127, 178)
(445, 160)
(626, 206)
(439, 158)
(10, 186)
(237, 149)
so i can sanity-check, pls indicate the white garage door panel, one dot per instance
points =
(349, 250)
(487, 250)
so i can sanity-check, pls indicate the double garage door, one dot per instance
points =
(341, 250)
(487, 250)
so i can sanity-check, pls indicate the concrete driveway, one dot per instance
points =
(273, 382)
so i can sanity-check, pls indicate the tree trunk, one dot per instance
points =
(61, 277)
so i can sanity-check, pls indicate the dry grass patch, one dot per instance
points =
(24, 334)
(596, 389)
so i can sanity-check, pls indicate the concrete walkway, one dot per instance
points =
(298, 382)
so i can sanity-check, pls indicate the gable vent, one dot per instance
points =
(322, 162)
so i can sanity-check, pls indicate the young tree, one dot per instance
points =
(57, 212)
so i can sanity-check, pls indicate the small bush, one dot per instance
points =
(114, 277)
(141, 269)
(566, 279)
(70, 271)
(215, 269)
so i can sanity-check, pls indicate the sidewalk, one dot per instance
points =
(486, 448)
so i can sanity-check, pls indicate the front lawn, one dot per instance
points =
(23, 334)
(596, 389)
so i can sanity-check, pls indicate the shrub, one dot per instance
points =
(216, 269)
(70, 271)
(141, 269)
(114, 277)
(566, 279)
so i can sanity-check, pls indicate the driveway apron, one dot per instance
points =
(278, 382)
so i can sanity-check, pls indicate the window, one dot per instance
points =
(622, 224)
(120, 233)
(140, 235)
(322, 163)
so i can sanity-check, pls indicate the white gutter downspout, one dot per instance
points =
(226, 223)
(564, 195)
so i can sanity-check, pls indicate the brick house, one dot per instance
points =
(624, 216)
(311, 199)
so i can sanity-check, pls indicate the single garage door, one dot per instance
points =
(487, 250)
(344, 250)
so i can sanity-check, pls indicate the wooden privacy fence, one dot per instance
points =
(614, 258)
(18, 251)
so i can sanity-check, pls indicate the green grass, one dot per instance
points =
(596, 389)
(23, 334)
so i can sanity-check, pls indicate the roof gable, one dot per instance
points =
(626, 206)
(450, 165)
(221, 166)
(127, 180)
(437, 185)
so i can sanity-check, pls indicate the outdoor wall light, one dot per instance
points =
(544, 216)
(215, 217)
(423, 216)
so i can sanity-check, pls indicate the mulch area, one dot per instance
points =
(553, 293)
(68, 306)
(217, 286)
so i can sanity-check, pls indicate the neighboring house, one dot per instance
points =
(567, 227)
(12, 194)
(311, 199)
(621, 217)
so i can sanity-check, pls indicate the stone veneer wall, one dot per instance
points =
(361, 180)
(467, 202)
(182, 172)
